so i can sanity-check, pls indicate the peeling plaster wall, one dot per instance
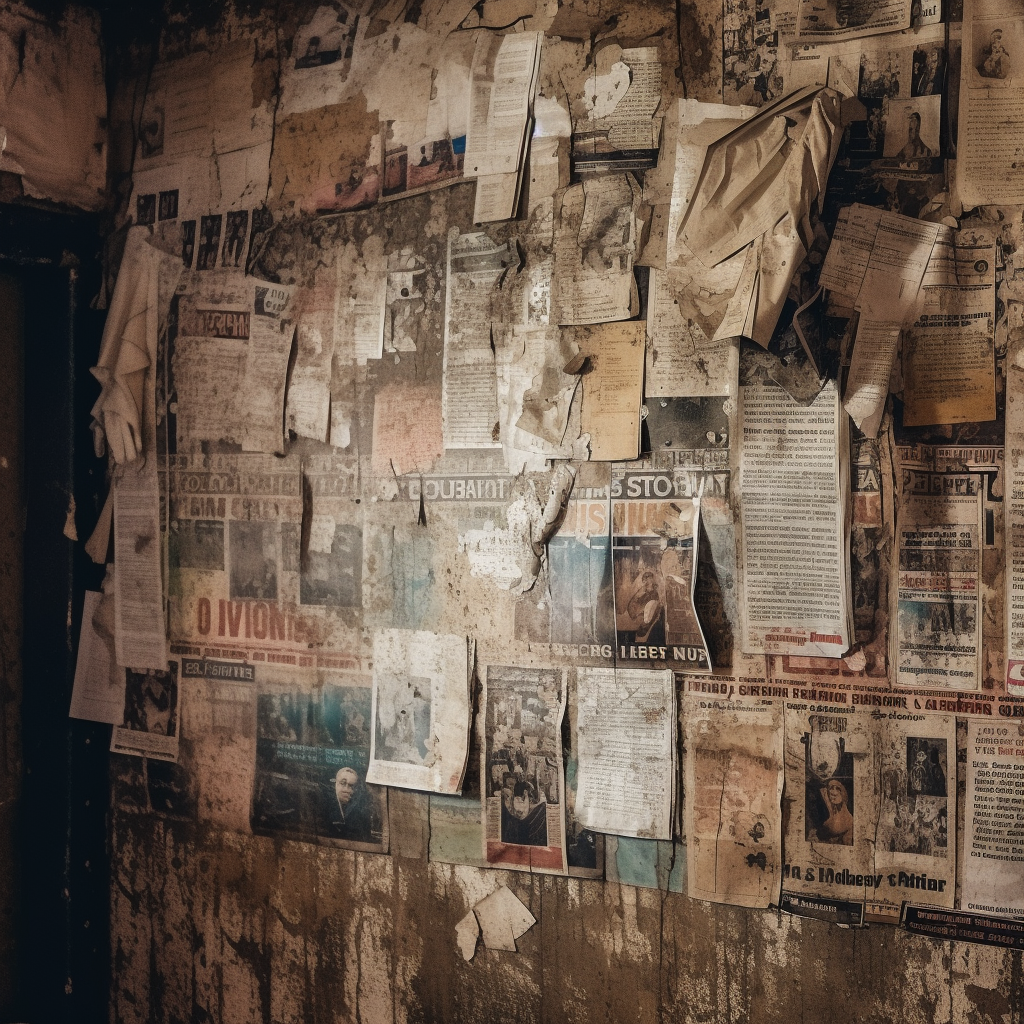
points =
(211, 923)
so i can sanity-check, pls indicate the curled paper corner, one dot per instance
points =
(503, 918)
(467, 931)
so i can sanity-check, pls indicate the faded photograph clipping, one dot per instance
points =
(829, 796)
(312, 753)
(914, 794)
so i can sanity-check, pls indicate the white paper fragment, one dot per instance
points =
(503, 919)
(467, 931)
(321, 534)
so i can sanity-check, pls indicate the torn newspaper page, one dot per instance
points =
(623, 93)
(626, 728)
(734, 775)
(98, 693)
(595, 245)
(311, 759)
(991, 133)
(824, 21)
(308, 408)
(993, 853)
(469, 396)
(613, 373)
(938, 594)
(793, 500)
(949, 365)
(654, 559)
(772, 165)
(421, 711)
(870, 808)
(140, 632)
(151, 722)
(521, 772)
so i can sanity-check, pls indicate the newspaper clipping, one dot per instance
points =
(940, 528)
(626, 729)
(151, 720)
(993, 879)
(312, 757)
(421, 710)
(794, 497)
(521, 769)
(734, 776)
(870, 807)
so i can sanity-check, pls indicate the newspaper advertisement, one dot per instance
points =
(421, 710)
(140, 632)
(734, 776)
(521, 769)
(312, 756)
(870, 804)
(949, 366)
(830, 20)
(991, 135)
(994, 809)
(626, 730)
(151, 714)
(654, 563)
(940, 530)
(470, 389)
(793, 502)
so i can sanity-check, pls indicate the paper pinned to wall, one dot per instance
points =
(612, 387)
(626, 777)
(503, 918)
(99, 689)
(421, 711)
(734, 778)
(140, 630)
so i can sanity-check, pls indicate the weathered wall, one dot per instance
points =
(212, 923)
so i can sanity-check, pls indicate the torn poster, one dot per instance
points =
(621, 99)
(654, 543)
(99, 691)
(469, 397)
(312, 756)
(940, 533)
(613, 372)
(421, 710)
(595, 245)
(793, 502)
(993, 852)
(869, 808)
(521, 771)
(734, 776)
(316, 312)
(151, 714)
(140, 633)
(406, 429)
(626, 729)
